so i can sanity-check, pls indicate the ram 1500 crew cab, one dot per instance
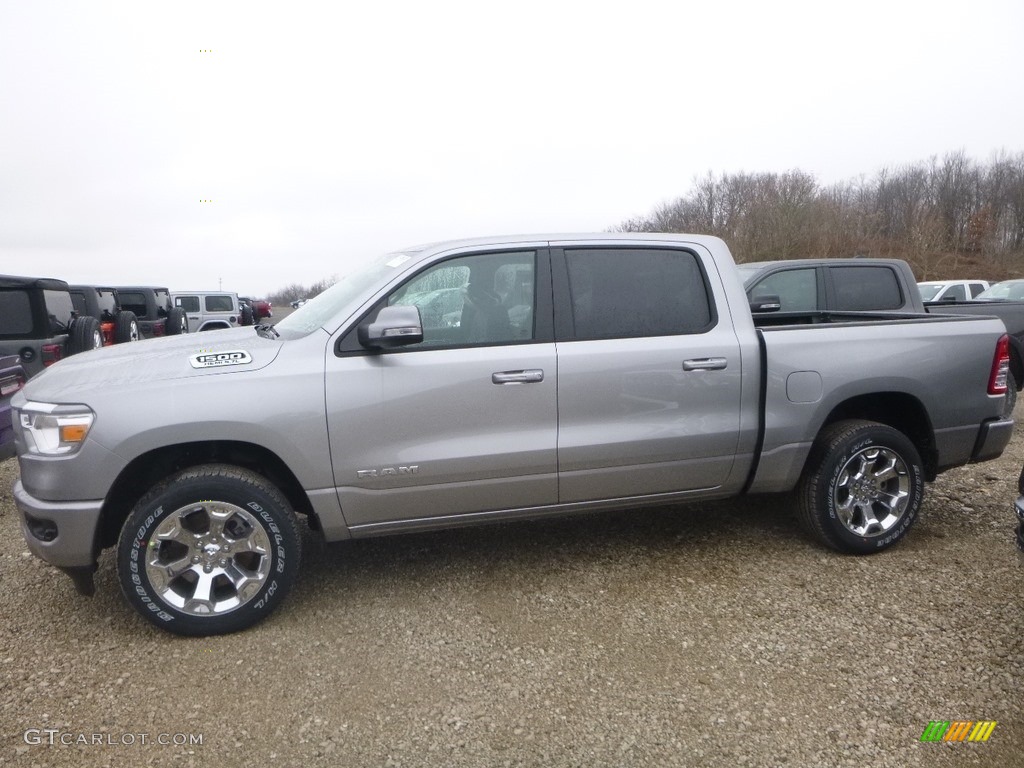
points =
(488, 380)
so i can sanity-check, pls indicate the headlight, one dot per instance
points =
(53, 430)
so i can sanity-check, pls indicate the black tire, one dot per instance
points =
(246, 315)
(85, 334)
(213, 549)
(126, 328)
(862, 487)
(177, 322)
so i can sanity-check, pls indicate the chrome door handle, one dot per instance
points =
(518, 377)
(706, 364)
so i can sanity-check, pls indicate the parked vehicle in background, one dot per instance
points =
(260, 308)
(12, 379)
(209, 310)
(117, 325)
(245, 314)
(38, 322)
(935, 291)
(778, 291)
(584, 372)
(153, 310)
(1007, 290)
(296, 303)
(777, 288)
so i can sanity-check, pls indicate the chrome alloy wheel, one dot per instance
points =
(872, 491)
(208, 558)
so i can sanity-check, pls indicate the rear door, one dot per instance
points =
(648, 376)
(463, 422)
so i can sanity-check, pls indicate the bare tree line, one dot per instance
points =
(289, 293)
(946, 217)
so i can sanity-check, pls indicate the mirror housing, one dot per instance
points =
(395, 326)
(767, 303)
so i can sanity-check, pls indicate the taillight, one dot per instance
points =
(52, 353)
(1000, 376)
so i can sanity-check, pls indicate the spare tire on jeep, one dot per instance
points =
(177, 322)
(126, 327)
(84, 334)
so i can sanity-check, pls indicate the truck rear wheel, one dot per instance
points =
(212, 550)
(862, 488)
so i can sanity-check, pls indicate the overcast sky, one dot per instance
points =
(322, 132)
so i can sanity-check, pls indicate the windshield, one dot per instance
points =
(316, 312)
(929, 290)
(1008, 290)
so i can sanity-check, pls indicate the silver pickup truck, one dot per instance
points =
(488, 380)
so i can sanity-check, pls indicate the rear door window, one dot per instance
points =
(864, 289)
(636, 292)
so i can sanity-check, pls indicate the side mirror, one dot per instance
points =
(394, 327)
(765, 304)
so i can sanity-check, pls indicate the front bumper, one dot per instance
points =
(63, 533)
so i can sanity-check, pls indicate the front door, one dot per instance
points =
(463, 422)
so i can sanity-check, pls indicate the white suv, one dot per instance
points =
(209, 310)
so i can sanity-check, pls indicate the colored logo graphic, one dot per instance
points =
(958, 730)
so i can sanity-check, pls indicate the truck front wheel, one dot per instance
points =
(212, 550)
(862, 488)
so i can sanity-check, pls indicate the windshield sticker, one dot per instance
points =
(399, 260)
(210, 359)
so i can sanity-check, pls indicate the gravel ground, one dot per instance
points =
(686, 636)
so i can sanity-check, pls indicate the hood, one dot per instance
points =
(229, 352)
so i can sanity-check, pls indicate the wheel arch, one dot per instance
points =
(150, 468)
(899, 410)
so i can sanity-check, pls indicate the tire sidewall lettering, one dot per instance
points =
(209, 487)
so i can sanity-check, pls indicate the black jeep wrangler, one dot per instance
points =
(153, 310)
(38, 322)
(116, 324)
